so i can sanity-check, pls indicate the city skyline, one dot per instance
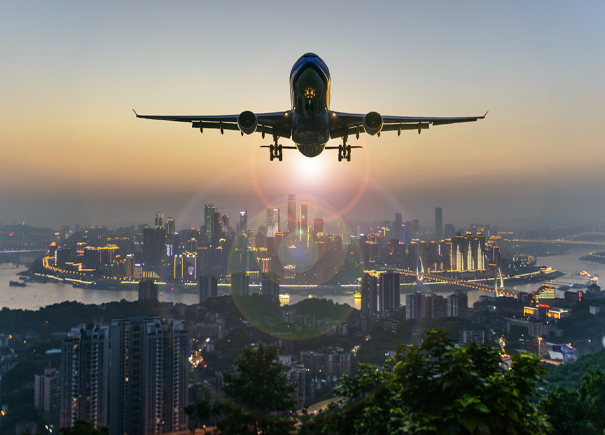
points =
(73, 148)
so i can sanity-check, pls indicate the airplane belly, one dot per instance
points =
(314, 131)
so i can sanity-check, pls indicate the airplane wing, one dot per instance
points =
(352, 123)
(279, 123)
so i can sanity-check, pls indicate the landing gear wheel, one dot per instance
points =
(348, 153)
(340, 153)
(271, 152)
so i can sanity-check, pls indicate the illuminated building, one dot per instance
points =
(468, 252)
(318, 226)
(159, 220)
(85, 375)
(208, 287)
(457, 304)
(170, 226)
(270, 285)
(184, 266)
(389, 292)
(397, 227)
(304, 220)
(438, 223)
(149, 376)
(243, 221)
(129, 263)
(240, 284)
(148, 290)
(291, 213)
(369, 294)
(545, 294)
(209, 211)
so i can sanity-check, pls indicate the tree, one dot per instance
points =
(198, 413)
(578, 412)
(84, 428)
(436, 388)
(257, 396)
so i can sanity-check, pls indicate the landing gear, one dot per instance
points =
(275, 151)
(344, 150)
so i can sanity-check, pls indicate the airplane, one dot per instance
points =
(310, 123)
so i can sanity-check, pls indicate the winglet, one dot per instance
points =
(486, 114)
(135, 112)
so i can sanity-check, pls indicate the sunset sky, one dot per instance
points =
(73, 151)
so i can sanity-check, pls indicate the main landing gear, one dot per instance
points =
(344, 150)
(275, 151)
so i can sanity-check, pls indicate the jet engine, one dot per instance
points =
(246, 121)
(372, 123)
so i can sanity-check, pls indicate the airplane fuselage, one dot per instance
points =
(310, 98)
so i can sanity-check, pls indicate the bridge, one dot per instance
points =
(598, 239)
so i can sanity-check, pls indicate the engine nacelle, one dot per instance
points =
(372, 123)
(246, 121)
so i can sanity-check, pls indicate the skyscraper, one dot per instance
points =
(170, 225)
(209, 211)
(159, 220)
(272, 221)
(149, 376)
(397, 227)
(389, 292)
(457, 304)
(85, 375)
(208, 287)
(438, 223)
(369, 294)
(408, 232)
(415, 229)
(243, 221)
(318, 226)
(304, 220)
(154, 246)
(47, 396)
(450, 231)
(240, 284)
(292, 213)
(270, 285)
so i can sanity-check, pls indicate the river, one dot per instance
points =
(37, 295)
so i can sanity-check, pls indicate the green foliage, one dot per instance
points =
(257, 395)
(198, 413)
(570, 375)
(578, 412)
(84, 428)
(435, 388)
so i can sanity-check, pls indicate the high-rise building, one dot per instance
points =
(270, 285)
(208, 287)
(148, 290)
(292, 213)
(47, 396)
(369, 294)
(149, 376)
(154, 247)
(304, 220)
(450, 231)
(85, 375)
(170, 226)
(457, 304)
(318, 226)
(397, 227)
(408, 232)
(438, 223)
(159, 220)
(240, 284)
(466, 336)
(389, 292)
(209, 211)
(415, 229)
(272, 221)
(296, 375)
(243, 221)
